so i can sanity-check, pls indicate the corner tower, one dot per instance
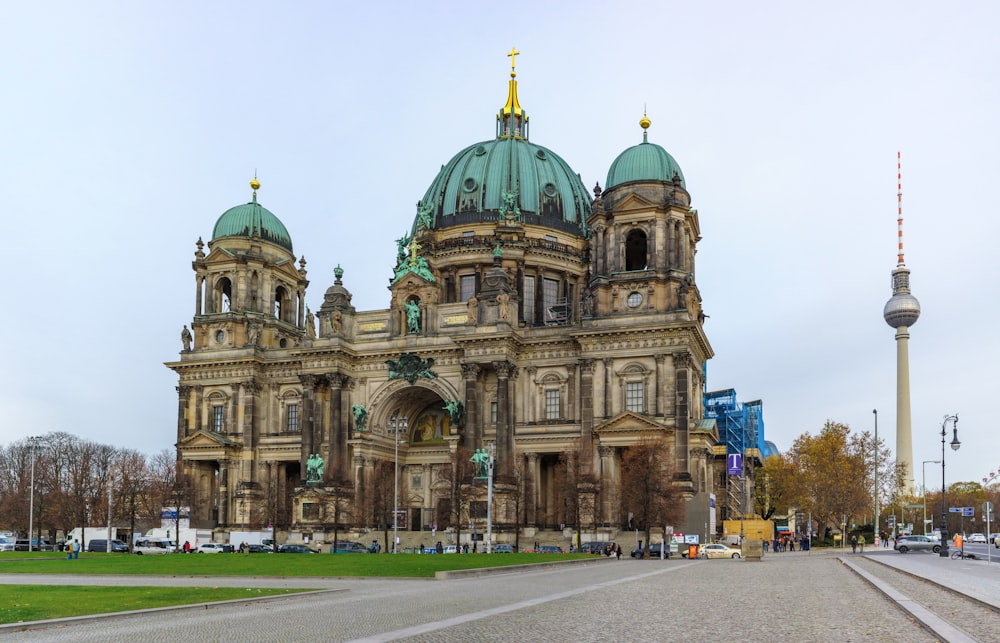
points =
(901, 312)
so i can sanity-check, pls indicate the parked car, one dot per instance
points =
(451, 549)
(718, 550)
(153, 546)
(295, 549)
(7, 544)
(977, 538)
(596, 547)
(99, 545)
(916, 543)
(503, 549)
(995, 539)
(21, 544)
(654, 551)
(550, 549)
(210, 548)
(260, 549)
(348, 548)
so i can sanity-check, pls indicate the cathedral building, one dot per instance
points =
(554, 325)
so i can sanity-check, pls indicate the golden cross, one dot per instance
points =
(514, 53)
(414, 247)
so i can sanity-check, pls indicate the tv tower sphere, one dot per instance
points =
(902, 309)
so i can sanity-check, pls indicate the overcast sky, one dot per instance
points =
(128, 128)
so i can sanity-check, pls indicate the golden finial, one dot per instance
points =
(644, 123)
(255, 184)
(514, 53)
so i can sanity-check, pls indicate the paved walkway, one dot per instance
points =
(788, 596)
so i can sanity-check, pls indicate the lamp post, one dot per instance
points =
(875, 535)
(924, 485)
(31, 492)
(955, 444)
(395, 426)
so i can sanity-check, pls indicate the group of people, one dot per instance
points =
(784, 543)
(612, 549)
(73, 549)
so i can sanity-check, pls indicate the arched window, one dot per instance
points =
(635, 250)
(223, 295)
(280, 302)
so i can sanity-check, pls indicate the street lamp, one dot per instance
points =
(395, 426)
(34, 440)
(955, 444)
(875, 535)
(924, 485)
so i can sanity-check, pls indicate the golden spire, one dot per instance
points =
(644, 123)
(512, 121)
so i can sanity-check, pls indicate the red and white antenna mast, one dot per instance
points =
(899, 205)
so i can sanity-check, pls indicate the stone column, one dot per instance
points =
(572, 402)
(232, 423)
(682, 364)
(307, 421)
(250, 425)
(587, 415)
(531, 491)
(199, 398)
(608, 362)
(505, 442)
(530, 404)
(336, 454)
(183, 400)
(658, 382)
(473, 433)
(607, 481)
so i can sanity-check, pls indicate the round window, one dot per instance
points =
(634, 299)
(549, 189)
(470, 184)
(219, 336)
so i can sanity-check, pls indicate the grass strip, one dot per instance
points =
(23, 603)
(288, 565)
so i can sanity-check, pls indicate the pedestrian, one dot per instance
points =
(421, 550)
(618, 551)
(187, 547)
(439, 547)
(854, 544)
(791, 544)
(765, 546)
(76, 548)
(861, 543)
(68, 546)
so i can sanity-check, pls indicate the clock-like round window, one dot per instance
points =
(220, 336)
(633, 299)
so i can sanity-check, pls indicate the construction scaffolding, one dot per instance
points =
(741, 430)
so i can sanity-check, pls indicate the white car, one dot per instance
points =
(717, 550)
(150, 546)
(977, 538)
(7, 544)
(210, 548)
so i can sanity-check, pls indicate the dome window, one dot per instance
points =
(541, 154)
(480, 150)
(470, 184)
(634, 299)
(549, 189)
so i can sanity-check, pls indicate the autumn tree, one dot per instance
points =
(773, 485)
(647, 485)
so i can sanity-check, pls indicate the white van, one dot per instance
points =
(154, 546)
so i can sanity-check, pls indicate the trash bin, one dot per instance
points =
(692, 551)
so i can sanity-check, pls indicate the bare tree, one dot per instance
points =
(647, 488)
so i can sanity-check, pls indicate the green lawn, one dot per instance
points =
(386, 565)
(22, 603)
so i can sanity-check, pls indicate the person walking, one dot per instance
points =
(618, 551)
(854, 544)
(76, 548)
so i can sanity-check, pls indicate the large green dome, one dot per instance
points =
(491, 177)
(252, 219)
(643, 162)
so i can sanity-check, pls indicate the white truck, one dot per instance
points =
(250, 538)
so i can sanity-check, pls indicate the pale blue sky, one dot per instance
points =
(128, 128)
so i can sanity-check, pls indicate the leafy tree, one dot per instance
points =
(647, 488)
(773, 485)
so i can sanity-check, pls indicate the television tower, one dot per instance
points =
(901, 312)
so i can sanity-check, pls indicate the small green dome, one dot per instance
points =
(504, 175)
(252, 219)
(643, 162)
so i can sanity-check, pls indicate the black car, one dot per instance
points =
(654, 551)
(260, 549)
(99, 545)
(597, 547)
(295, 549)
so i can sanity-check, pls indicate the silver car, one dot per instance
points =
(916, 543)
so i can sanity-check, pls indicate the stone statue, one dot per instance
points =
(360, 416)
(481, 459)
(473, 310)
(401, 245)
(310, 324)
(503, 300)
(314, 468)
(253, 332)
(412, 317)
(455, 410)
(588, 304)
(336, 321)
(424, 219)
(186, 339)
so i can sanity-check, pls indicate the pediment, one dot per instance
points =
(635, 202)
(628, 422)
(206, 440)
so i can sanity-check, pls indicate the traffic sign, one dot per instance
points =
(968, 511)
